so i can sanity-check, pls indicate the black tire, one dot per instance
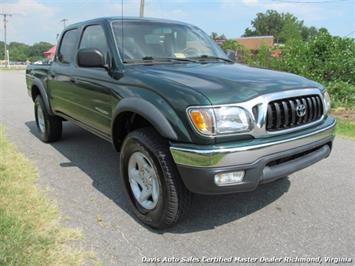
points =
(52, 130)
(174, 199)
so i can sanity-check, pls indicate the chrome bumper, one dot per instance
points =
(249, 152)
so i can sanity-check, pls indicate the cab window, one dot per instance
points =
(94, 37)
(67, 46)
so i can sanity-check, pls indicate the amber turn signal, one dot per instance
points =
(202, 119)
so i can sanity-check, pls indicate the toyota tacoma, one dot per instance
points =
(183, 115)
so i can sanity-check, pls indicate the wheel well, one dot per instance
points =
(125, 123)
(35, 92)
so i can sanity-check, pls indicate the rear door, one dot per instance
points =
(61, 83)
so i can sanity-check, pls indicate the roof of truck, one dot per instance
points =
(118, 18)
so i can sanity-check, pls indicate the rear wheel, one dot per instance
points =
(49, 127)
(154, 188)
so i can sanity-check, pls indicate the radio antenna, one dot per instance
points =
(122, 41)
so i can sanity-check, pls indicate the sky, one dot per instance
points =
(39, 20)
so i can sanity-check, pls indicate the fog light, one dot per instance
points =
(228, 179)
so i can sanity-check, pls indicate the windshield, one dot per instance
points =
(156, 40)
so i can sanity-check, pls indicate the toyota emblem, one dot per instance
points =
(301, 110)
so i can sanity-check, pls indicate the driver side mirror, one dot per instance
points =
(90, 57)
(230, 54)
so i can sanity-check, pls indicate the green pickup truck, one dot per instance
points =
(183, 115)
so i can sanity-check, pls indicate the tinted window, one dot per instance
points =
(160, 40)
(94, 37)
(67, 47)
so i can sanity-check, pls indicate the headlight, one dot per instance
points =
(326, 100)
(220, 120)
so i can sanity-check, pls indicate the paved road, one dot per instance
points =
(309, 214)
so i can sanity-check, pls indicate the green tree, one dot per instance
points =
(264, 56)
(290, 31)
(36, 50)
(231, 44)
(18, 51)
(23, 52)
(309, 33)
(244, 55)
(282, 26)
(327, 59)
(269, 23)
(1, 50)
(215, 35)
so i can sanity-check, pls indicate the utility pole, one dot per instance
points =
(6, 58)
(141, 9)
(64, 20)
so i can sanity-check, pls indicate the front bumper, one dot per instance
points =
(263, 160)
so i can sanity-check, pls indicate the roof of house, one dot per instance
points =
(50, 51)
(257, 37)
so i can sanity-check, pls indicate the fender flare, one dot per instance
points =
(39, 84)
(149, 112)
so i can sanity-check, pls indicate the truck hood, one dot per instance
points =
(225, 83)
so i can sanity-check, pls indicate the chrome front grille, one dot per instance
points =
(293, 112)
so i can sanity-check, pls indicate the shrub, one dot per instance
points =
(342, 93)
(263, 57)
(325, 58)
(243, 56)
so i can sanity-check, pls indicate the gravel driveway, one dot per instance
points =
(309, 214)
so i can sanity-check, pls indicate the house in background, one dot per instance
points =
(220, 40)
(49, 54)
(254, 43)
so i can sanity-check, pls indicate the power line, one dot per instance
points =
(5, 15)
(310, 2)
(350, 33)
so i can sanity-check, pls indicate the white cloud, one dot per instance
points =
(26, 7)
(153, 8)
(250, 2)
(130, 8)
(30, 18)
(305, 11)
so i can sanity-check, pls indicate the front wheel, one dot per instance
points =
(154, 188)
(49, 127)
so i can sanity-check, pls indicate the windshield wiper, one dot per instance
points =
(146, 59)
(208, 57)
(181, 59)
(151, 59)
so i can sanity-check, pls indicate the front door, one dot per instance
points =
(93, 85)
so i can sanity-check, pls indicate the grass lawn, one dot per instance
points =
(30, 232)
(346, 128)
(345, 121)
